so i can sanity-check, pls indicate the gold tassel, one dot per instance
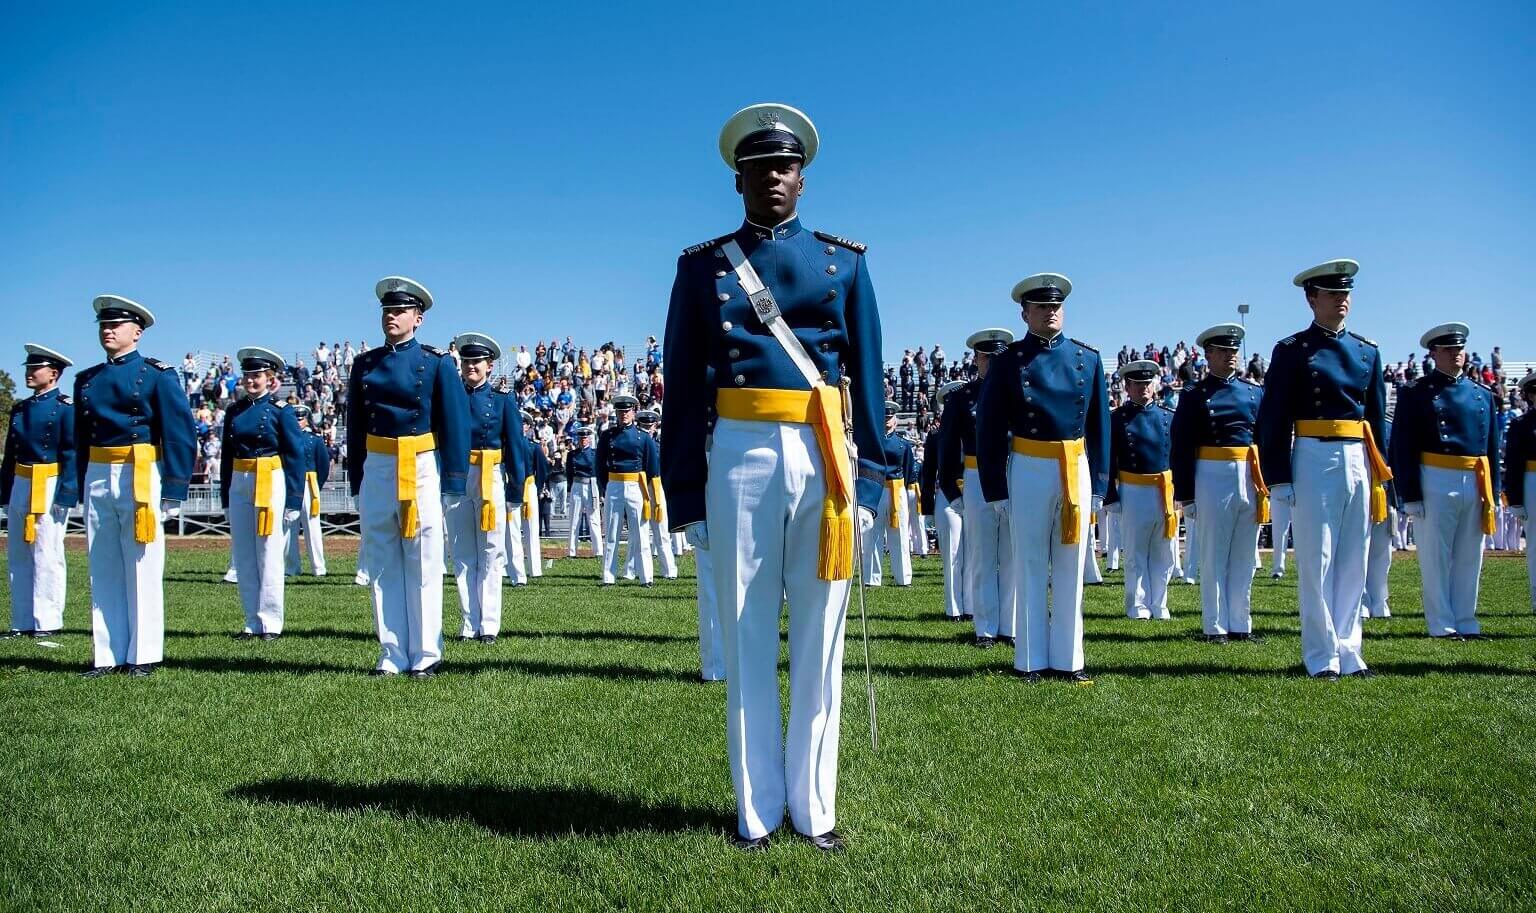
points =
(487, 517)
(1378, 503)
(1170, 525)
(410, 520)
(29, 529)
(1071, 520)
(1263, 501)
(263, 521)
(144, 524)
(834, 559)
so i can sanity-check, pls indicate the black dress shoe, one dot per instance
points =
(141, 670)
(967, 617)
(647, 585)
(1030, 678)
(1080, 677)
(13, 633)
(1362, 673)
(1476, 636)
(1327, 675)
(1275, 576)
(245, 635)
(466, 638)
(53, 633)
(1448, 637)
(1215, 638)
(381, 673)
(487, 638)
(270, 637)
(985, 643)
(98, 671)
(428, 672)
(1007, 639)
(750, 844)
(1249, 637)
(830, 842)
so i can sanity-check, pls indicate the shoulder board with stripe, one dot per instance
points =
(852, 245)
(280, 403)
(1166, 408)
(64, 399)
(1085, 345)
(706, 245)
(1369, 342)
(156, 363)
(433, 350)
(1287, 341)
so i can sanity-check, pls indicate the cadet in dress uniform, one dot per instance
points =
(1047, 393)
(135, 445)
(918, 527)
(1141, 488)
(523, 505)
(261, 486)
(1325, 388)
(627, 459)
(891, 519)
(38, 486)
(778, 490)
(1445, 461)
(1378, 558)
(317, 471)
(1217, 480)
(661, 540)
(1520, 473)
(990, 590)
(477, 530)
(581, 466)
(948, 515)
(407, 457)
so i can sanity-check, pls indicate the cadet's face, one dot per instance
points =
(475, 370)
(41, 377)
(1449, 359)
(890, 422)
(1044, 318)
(1329, 308)
(256, 383)
(400, 323)
(1140, 391)
(1223, 360)
(120, 337)
(770, 189)
(626, 417)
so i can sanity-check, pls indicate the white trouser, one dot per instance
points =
(1049, 573)
(661, 542)
(532, 547)
(711, 649)
(517, 569)
(258, 560)
(1450, 550)
(1227, 516)
(309, 527)
(990, 572)
(558, 494)
(36, 569)
(1148, 553)
(680, 544)
(1111, 541)
(583, 506)
(1189, 570)
(897, 539)
(1091, 573)
(950, 525)
(1400, 529)
(763, 502)
(622, 503)
(1378, 564)
(127, 576)
(918, 524)
(479, 556)
(1330, 522)
(406, 574)
(1279, 531)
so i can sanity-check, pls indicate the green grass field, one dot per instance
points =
(578, 764)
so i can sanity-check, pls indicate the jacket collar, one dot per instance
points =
(785, 229)
(1044, 342)
(126, 359)
(1329, 333)
(404, 346)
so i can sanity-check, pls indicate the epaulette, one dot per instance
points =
(1289, 340)
(1085, 345)
(854, 246)
(1165, 407)
(64, 399)
(433, 350)
(1369, 342)
(707, 245)
(280, 403)
(156, 363)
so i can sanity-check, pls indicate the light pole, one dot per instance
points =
(1242, 317)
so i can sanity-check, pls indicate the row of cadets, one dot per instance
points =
(891, 528)
(649, 422)
(584, 501)
(1140, 490)
(317, 471)
(407, 460)
(261, 487)
(1218, 483)
(990, 593)
(1520, 472)
(38, 486)
(627, 458)
(525, 555)
(477, 522)
(1042, 442)
(1445, 464)
(135, 444)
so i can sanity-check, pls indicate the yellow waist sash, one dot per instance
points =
(262, 468)
(487, 460)
(37, 501)
(1164, 483)
(142, 456)
(1066, 454)
(658, 502)
(641, 479)
(896, 487)
(1360, 431)
(530, 497)
(312, 482)
(1477, 464)
(405, 449)
(822, 409)
(1250, 453)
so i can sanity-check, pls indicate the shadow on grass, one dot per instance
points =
(540, 812)
(1406, 669)
(256, 665)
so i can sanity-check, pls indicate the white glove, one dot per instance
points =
(1113, 508)
(1000, 508)
(291, 516)
(697, 535)
(866, 520)
(1189, 510)
(1518, 512)
(170, 508)
(1414, 509)
(1283, 492)
(1097, 504)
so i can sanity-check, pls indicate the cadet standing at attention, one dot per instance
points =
(1445, 463)
(477, 524)
(990, 587)
(915, 524)
(1520, 472)
(317, 471)
(1216, 478)
(661, 538)
(1325, 387)
(890, 527)
(261, 486)
(626, 460)
(135, 445)
(407, 456)
(536, 466)
(1141, 490)
(783, 315)
(38, 486)
(582, 467)
(948, 515)
(1047, 394)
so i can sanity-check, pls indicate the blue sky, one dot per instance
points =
(249, 170)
